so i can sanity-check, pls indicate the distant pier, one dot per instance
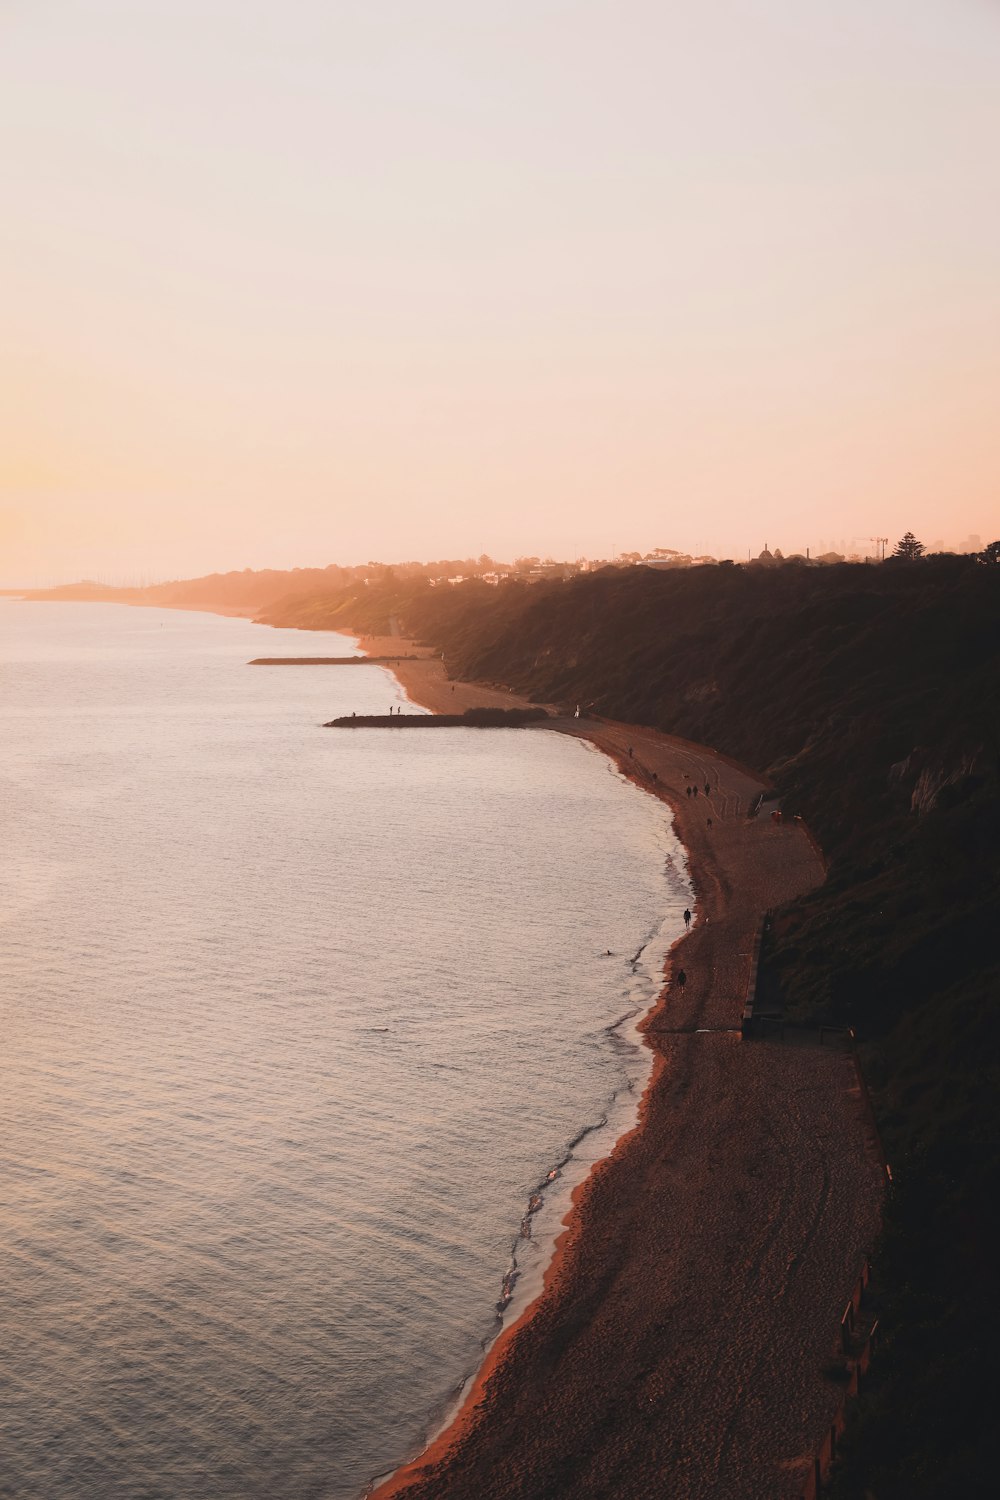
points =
(473, 718)
(328, 661)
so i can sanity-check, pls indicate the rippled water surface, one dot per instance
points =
(294, 1024)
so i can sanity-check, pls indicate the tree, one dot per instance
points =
(990, 554)
(908, 548)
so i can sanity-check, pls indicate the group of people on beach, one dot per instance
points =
(692, 791)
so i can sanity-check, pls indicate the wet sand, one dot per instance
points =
(678, 1347)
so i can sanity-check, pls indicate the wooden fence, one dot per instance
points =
(852, 1328)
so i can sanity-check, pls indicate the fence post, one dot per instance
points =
(846, 1327)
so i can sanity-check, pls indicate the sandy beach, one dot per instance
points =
(694, 1299)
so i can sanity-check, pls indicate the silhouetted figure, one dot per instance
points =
(687, 918)
(682, 978)
(630, 752)
(707, 789)
(695, 790)
(709, 822)
(687, 791)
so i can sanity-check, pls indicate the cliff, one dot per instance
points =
(869, 696)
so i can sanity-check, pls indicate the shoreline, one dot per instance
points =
(532, 1284)
(693, 1296)
(524, 1426)
(433, 691)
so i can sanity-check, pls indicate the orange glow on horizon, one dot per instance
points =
(442, 288)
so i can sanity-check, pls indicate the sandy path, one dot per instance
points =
(677, 1350)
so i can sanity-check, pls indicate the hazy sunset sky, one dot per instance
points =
(325, 281)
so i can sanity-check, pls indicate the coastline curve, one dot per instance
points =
(695, 1285)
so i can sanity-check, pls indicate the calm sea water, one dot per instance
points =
(296, 1023)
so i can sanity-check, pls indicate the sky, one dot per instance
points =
(287, 284)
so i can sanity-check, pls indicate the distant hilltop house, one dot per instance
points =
(493, 577)
(664, 558)
(549, 570)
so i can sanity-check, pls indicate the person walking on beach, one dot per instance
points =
(708, 789)
(687, 918)
(682, 978)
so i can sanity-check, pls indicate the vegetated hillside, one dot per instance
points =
(870, 697)
(251, 590)
(245, 591)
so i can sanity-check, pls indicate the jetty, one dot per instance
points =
(329, 661)
(472, 718)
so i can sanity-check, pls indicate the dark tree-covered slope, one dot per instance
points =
(870, 696)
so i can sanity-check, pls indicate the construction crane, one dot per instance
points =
(880, 541)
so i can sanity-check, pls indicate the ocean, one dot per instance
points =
(307, 1035)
